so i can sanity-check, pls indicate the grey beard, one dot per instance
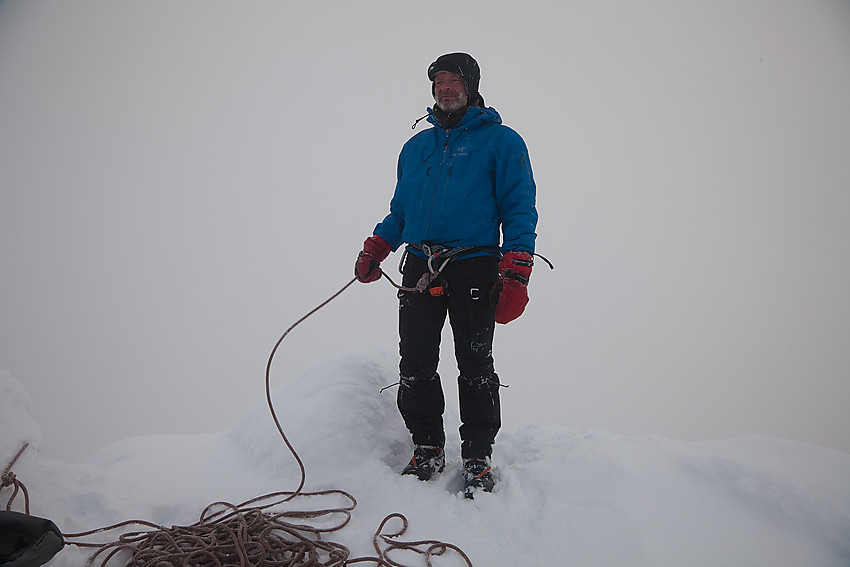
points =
(454, 105)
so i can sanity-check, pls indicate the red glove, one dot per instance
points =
(375, 250)
(514, 271)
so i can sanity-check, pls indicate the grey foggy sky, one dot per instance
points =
(180, 181)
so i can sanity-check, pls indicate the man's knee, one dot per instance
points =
(421, 395)
(485, 381)
(479, 396)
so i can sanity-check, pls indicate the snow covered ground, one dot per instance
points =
(564, 497)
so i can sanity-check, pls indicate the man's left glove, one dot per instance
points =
(368, 266)
(514, 272)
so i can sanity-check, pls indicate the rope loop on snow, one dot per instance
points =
(9, 479)
(427, 548)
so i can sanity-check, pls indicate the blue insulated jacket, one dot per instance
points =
(459, 187)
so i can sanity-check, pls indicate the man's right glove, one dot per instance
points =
(514, 271)
(375, 250)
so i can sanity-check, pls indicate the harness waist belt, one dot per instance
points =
(443, 251)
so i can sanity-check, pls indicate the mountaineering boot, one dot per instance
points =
(426, 462)
(477, 474)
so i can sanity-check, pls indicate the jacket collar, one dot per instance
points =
(474, 116)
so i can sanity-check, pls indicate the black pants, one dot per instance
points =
(467, 300)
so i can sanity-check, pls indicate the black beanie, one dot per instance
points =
(461, 64)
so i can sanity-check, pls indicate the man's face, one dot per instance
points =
(449, 91)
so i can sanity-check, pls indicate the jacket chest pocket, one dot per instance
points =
(469, 167)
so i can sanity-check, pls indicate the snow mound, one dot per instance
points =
(333, 414)
(572, 497)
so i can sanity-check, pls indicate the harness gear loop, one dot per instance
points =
(434, 253)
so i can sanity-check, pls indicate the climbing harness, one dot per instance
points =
(438, 257)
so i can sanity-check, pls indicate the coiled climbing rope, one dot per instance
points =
(263, 531)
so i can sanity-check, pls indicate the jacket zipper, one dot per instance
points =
(434, 188)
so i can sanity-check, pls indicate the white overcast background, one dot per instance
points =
(182, 180)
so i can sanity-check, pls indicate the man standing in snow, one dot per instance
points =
(464, 203)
